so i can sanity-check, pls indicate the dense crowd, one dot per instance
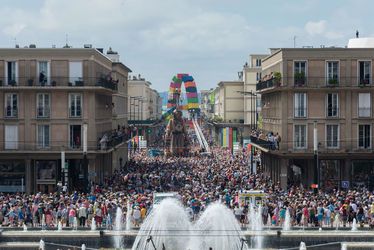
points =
(199, 181)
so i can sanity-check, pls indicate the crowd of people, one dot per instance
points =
(199, 181)
(269, 140)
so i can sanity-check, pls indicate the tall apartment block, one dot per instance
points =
(51, 98)
(329, 89)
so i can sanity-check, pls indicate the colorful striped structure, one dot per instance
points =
(191, 92)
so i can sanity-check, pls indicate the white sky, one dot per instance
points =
(209, 39)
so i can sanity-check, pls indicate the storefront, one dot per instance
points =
(297, 173)
(78, 175)
(330, 174)
(46, 175)
(362, 173)
(12, 177)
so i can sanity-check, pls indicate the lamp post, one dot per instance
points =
(85, 159)
(253, 102)
(64, 169)
(315, 149)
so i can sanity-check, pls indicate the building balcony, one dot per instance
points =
(111, 139)
(59, 82)
(55, 147)
(264, 143)
(270, 83)
(314, 82)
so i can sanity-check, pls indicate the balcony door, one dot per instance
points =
(11, 72)
(43, 73)
(76, 73)
(364, 68)
(75, 136)
(11, 137)
(364, 105)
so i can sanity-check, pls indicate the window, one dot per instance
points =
(75, 108)
(299, 72)
(76, 73)
(300, 137)
(332, 72)
(43, 105)
(300, 105)
(332, 136)
(43, 136)
(75, 136)
(364, 105)
(364, 72)
(11, 137)
(43, 73)
(364, 136)
(258, 76)
(11, 105)
(11, 73)
(332, 105)
(258, 62)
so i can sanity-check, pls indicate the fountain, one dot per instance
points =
(217, 228)
(344, 246)
(336, 221)
(302, 246)
(303, 221)
(168, 227)
(83, 247)
(118, 227)
(93, 224)
(44, 226)
(75, 224)
(128, 217)
(256, 225)
(354, 225)
(287, 221)
(24, 227)
(41, 245)
(59, 226)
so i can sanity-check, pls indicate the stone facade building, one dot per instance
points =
(51, 98)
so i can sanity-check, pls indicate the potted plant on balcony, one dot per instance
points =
(299, 78)
(333, 81)
(277, 78)
(364, 80)
(12, 82)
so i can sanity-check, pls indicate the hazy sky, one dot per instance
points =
(210, 39)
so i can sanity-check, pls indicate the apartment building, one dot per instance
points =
(144, 108)
(144, 102)
(51, 99)
(228, 118)
(229, 101)
(207, 103)
(252, 100)
(329, 89)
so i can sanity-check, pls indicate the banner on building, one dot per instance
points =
(224, 137)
